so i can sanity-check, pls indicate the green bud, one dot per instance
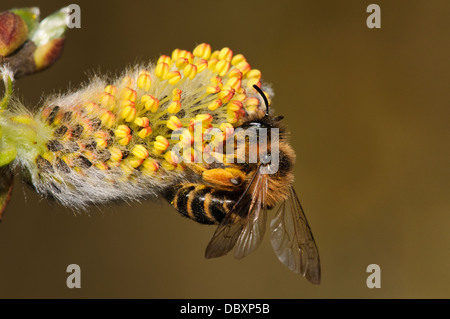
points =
(51, 28)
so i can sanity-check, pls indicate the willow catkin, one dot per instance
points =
(112, 139)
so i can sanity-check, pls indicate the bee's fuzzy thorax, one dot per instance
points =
(111, 139)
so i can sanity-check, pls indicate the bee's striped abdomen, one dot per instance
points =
(201, 203)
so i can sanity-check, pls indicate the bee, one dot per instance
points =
(236, 196)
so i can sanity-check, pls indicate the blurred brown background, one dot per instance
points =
(368, 110)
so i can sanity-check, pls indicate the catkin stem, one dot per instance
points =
(8, 92)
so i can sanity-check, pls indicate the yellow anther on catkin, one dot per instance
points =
(144, 81)
(216, 80)
(171, 158)
(232, 117)
(150, 165)
(253, 81)
(215, 105)
(128, 94)
(116, 154)
(135, 162)
(240, 94)
(101, 135)
(235, 73)
(101, 143)
(128, 111)
(204, 117)
(161, 70)
(142, 121)
(190, 156)
(227, 129)
(251, 102)
(188, 55)
(243, 66)
(212, 64)
(146, 131)
(202, 51)
(174, 107)
(238, 58)
(176, 54)
(173, 77)
(190, 71)
(226, 94)
(222, 67)
(140, 152)
(111, 89)
(161, 144)
(91, 107)
(124, 141)
(213, 89)
(234, 106)
(254, 73)
(234, 82)
(108, 119)
(108, 101)
(181, 63)
(165, 59)
(176, 94)
(174, 123)
(150, 102)
(122, 131)
(167, 166)
(225, 54)
(214, 55)
(186, 137)
(201, 65)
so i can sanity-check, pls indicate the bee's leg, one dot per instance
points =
(228, 177)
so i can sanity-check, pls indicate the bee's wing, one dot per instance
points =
(244, 224)
(255, 223)
(292, 239)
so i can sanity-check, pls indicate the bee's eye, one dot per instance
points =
(265, 159)
(236, 180)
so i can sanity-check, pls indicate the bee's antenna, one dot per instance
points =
(264, 98)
